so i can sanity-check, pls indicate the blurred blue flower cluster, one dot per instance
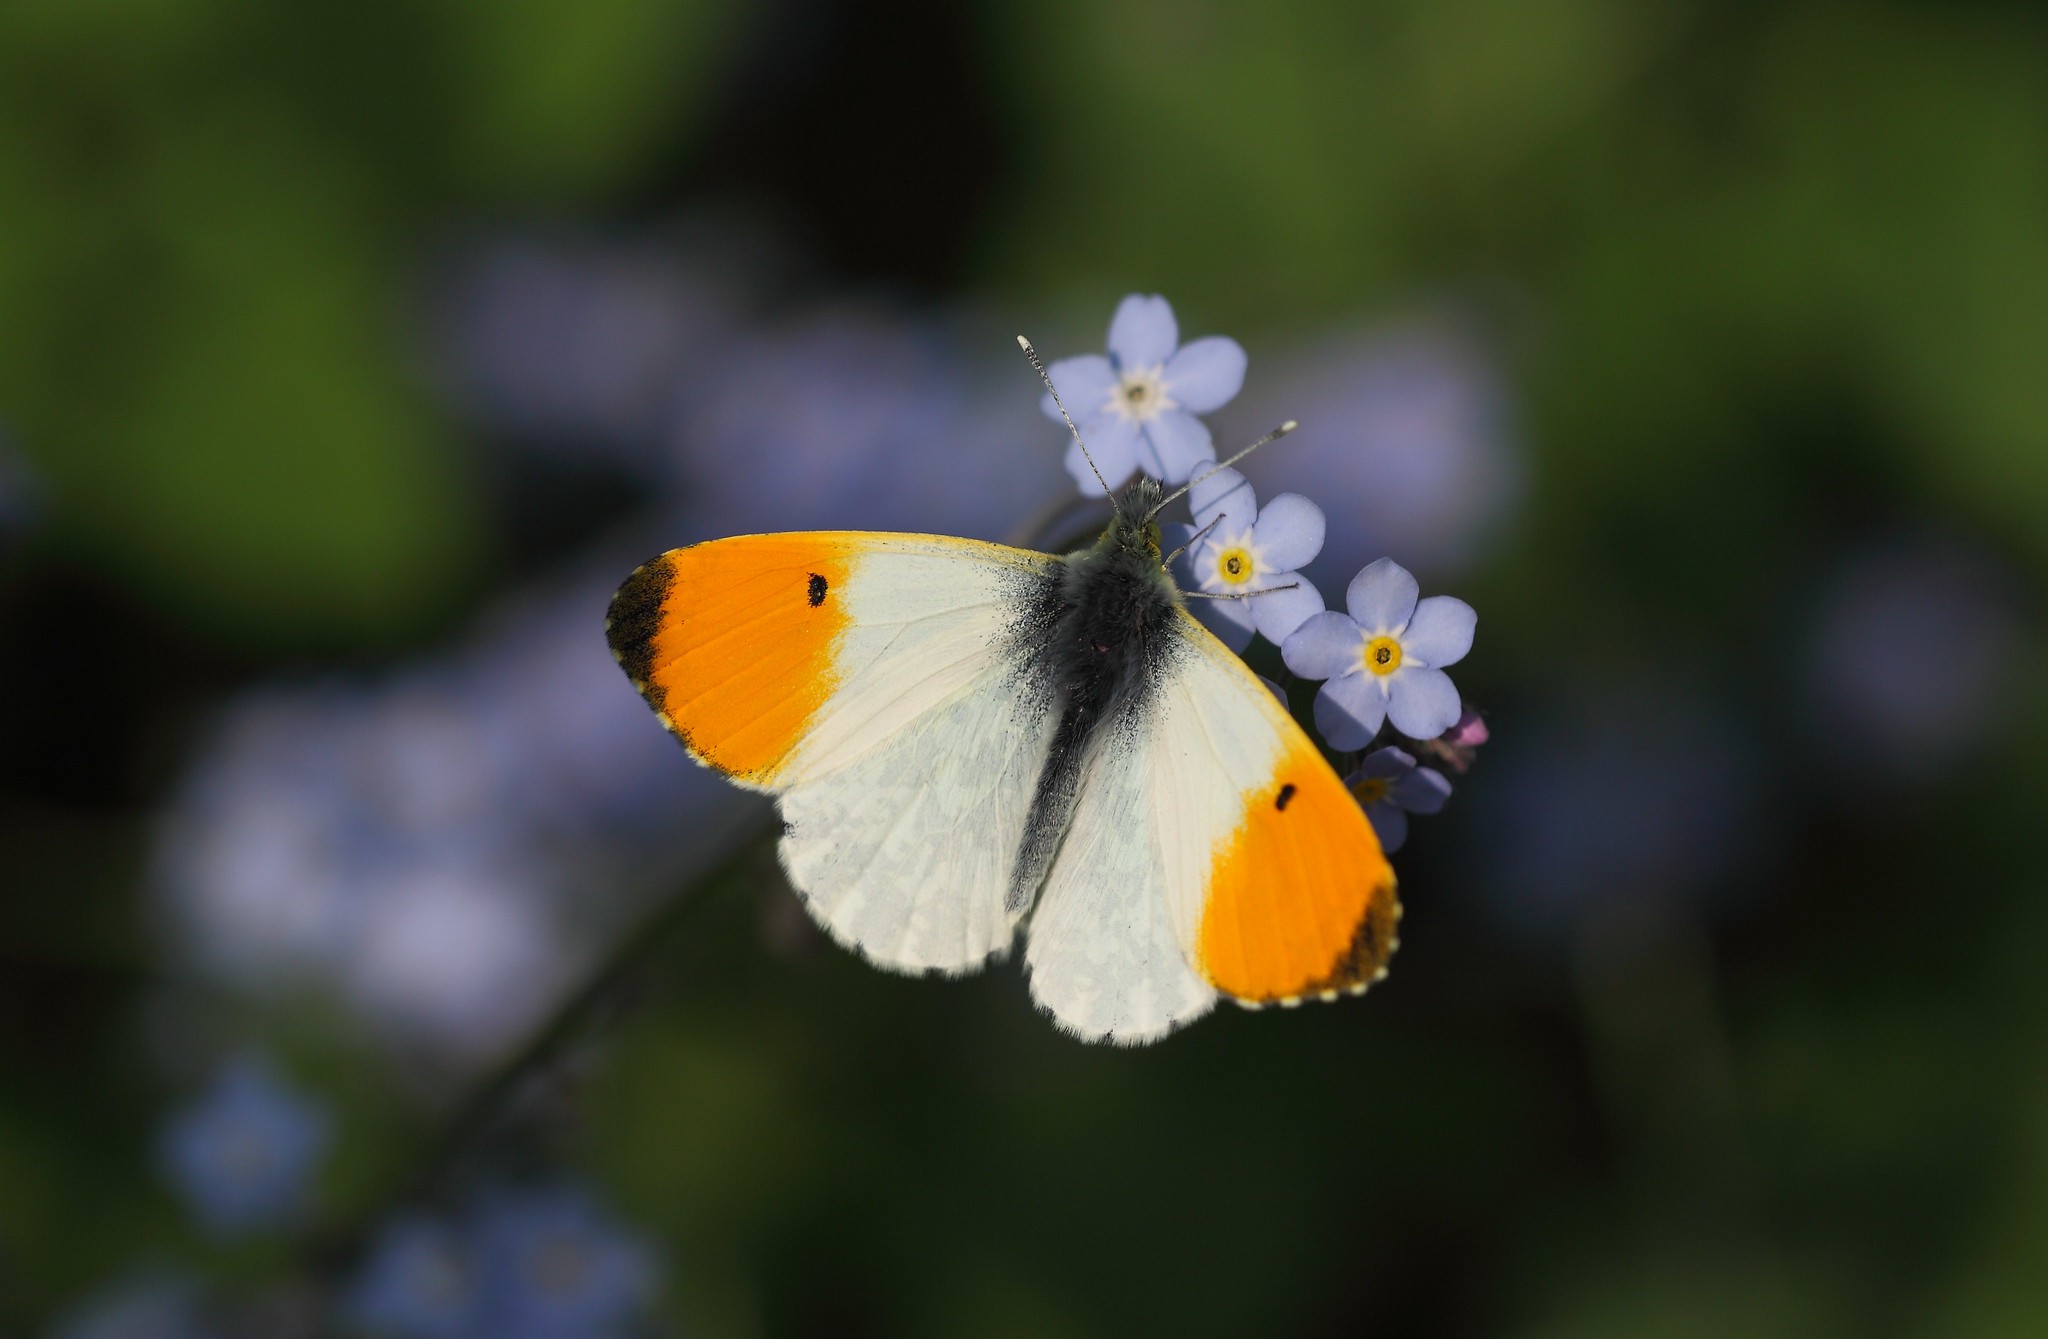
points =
(1380, 663)
(436, 848)
(543, 1261)
(532, 1263)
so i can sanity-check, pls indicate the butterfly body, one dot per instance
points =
(1109, 608)
(968, 740)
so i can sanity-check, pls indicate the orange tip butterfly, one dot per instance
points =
(970, 741)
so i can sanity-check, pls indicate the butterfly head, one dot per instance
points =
(1133, 528)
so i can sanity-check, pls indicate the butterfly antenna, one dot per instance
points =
(1289, 426)
(1032, 354)
(1193, 539)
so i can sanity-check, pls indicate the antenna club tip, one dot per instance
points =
(1023, 343)
(1290, 425)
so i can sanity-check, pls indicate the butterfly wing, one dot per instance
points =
(885, 688)
(1214, 851)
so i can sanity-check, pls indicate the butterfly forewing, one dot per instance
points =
(882, 686)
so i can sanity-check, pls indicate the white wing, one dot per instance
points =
(905, 805)
(1213, 851)
(905, 771)
(1103, 953)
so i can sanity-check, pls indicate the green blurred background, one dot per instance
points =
(1766, 287)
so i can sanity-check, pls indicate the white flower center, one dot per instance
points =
(1141, 394)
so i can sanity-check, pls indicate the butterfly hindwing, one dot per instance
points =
(1213, 851)
(1104, 955)
(1277, 882)
(883, 686)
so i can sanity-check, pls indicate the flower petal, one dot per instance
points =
(1183, 443)
(1230, 620)
(1289, 532)
(1143, 332)
(1206, 375)
(1421, 791)
(1387, 763)
(1349, 711)
(1084, 383)
(1423, 703)
(1382, 597)
(1225, 493)
(1279, 612)
(1113, 441)
(1440, 632)
(1324, 647)
(1389, 823)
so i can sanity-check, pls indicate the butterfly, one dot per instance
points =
(970, 742)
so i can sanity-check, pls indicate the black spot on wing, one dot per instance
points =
(818, 588)
(1286, 794)
(635, 617)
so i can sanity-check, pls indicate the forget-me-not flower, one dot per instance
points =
(553, 1265)
(1246, 549)
(1385, 659)
(1390, 787)
(1136, 408)
(243, 1156)
(418, 1283)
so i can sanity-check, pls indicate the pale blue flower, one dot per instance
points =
(545, 1263)
(553, 1265)
(1390, 787)
(419, 1283)
(1136, 408)
(1385, 659)
(1246, 548)
(244, 1156)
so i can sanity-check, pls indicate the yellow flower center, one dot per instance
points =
(1235, 566)
(1370, 789)
(1383, 655)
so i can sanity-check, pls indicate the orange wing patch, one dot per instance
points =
(1300, 900)
(732, 643)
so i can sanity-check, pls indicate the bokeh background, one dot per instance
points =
(349, 356)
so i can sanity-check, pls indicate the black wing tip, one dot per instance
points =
(634, 618)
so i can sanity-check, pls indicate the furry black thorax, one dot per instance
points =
(1106, 614)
